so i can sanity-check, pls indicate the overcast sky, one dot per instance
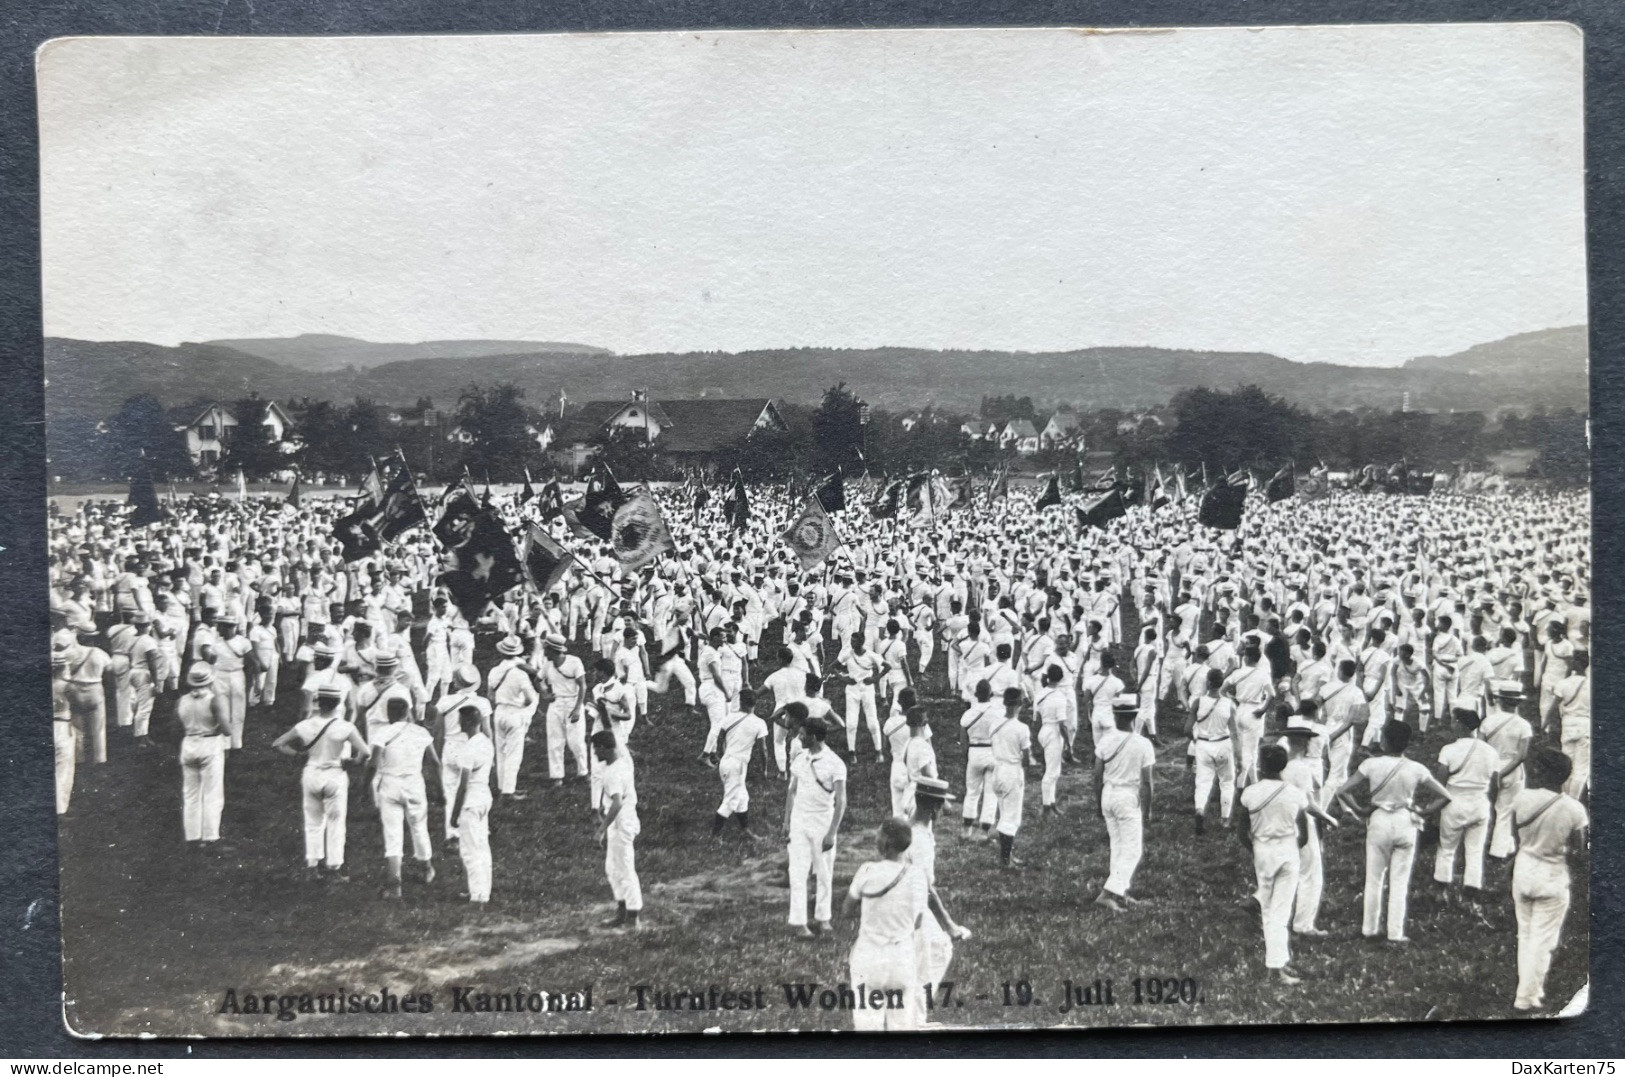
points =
(1354, 195)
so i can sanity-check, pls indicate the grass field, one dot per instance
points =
(155, 936)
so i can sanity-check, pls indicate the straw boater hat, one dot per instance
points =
(200, 675)
(1509, 690)
(934, 789)
(1299, 726)
(554, 642)
(1127, 701)
(510, 646)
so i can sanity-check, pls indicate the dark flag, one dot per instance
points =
(736, 510)
(144, 497)
(552, 501)
(1000, 489)
(1131, 490)
(295, 494)
(1075, 481)
(1417, 483)
(401, 509)
(480, 566)
(1051, 494)
(832, 493)
(593, 514)
(961, 493)
(1102, 510)
(1222, 506)
(457, 511)
(543, 560)
(890, 499)
(639, 533)
(1104, 482)
(528, 491)
(1282, 486)
(357, 533)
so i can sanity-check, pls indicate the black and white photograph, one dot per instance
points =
(818, 530)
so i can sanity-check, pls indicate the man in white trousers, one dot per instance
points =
(616, 813)
(813, 810)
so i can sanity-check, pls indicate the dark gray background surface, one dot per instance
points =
(30, 973)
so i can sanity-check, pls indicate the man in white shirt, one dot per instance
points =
(1273, 815)
(325, 786)
(864, 669)
(616, 813)
(471, 804)
(1551, 828)
(1391, 793)
(813, 810)
(567, 682)
(1123, 762)
(398, 751)
(1466, 768)
(741, 732)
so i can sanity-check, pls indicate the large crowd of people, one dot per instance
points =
(1376, 660)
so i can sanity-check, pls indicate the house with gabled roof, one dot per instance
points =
(692, 431)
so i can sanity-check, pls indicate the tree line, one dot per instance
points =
(493, 430)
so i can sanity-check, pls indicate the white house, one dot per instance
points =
(1020, 435)
(209, 432)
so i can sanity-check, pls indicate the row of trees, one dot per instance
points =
(493, 430)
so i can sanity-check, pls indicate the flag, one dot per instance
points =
(1075, 481)
(1131, 490)
(543, 559)
(1419, 483)
(1282, 486)
(1000, 487)
(1222, 506)
(1051, 494)
(961, 493)
(481, 565)
(357, 533)
(638, 531)
(832, 493)
(892, 497)
(918, 506)
(485, 499)
(736, 509)
(1104, 481)
(551, 502)
(812, 535)
(1181, 483)
(457, 511)
(1102, 510)
(592, 515)
(144, 496)
(295, 494)
(1158, 496)
(400, 509)
(242, 487)
(1316, 486)
(528, 491)
(372, 486)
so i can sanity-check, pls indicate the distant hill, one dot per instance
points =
(1544, 353)
(325, 352)
(1546, 368)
